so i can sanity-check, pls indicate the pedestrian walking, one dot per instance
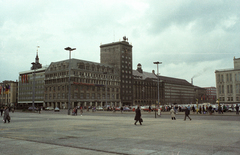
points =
(200, 110)
(237, 109)
(6, 115)
(193, 109)
(1, 111)
(187, 113)
(138, 116)
(210, 109)
(121, 109)
(159, 111)
(203, 109)
(76, 110)
(81, 110)
(172, 113)
(149, 109)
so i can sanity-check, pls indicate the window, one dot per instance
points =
(98, 96)
(81, 96)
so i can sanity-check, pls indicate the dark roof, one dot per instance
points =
(146, 75)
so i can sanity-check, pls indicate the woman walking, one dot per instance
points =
(172, 113)
(138, 116)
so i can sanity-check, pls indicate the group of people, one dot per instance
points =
(75, 110)
(173, 112)
(138, 116)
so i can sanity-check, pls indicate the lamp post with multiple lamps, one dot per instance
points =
(69, 82)
(157, 62)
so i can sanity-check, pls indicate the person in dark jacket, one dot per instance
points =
(237, 109)
(137, 116)
(187, 113)
(6, 115)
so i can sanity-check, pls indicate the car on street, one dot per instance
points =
(31, 108)
(99, 108)
(117, 108)
(56, 109)
(126, 109)
(49, 108)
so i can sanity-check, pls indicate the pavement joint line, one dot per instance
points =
(76, 147)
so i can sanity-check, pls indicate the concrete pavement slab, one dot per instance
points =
(109, 133)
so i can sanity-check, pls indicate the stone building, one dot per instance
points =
(228, 83)
(31, 85)
(171, 90)
(8, 93)
(145, 87)
(90, 84)
(211, 94)
(119, 55)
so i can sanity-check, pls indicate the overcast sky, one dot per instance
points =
(190, 38)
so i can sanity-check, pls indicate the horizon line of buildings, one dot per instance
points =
(110, 82)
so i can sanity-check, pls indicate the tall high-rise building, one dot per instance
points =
(119, 55)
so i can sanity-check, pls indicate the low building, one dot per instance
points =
(211, 94)
(171, 90)
(8, 93)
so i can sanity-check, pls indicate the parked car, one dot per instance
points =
(31, 108)
(126, 109)
(99, 108)
(146, 108)
(49, 108)
(56, 109)
(117, 108)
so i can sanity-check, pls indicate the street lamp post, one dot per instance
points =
(69, 69)
(106, 86)
(158, 84)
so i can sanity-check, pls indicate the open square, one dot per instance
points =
(115, 133)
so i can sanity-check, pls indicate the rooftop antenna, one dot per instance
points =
(37, 49)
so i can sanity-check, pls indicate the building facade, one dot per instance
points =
(228, 84)
(211, 94)
(92, 84)
(8, 93)
(31, 85)
(110, 82)
(119, 55)
(171, 90)
(145, 88)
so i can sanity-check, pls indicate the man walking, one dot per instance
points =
(237, 109)
(138, 116)
(187, 113)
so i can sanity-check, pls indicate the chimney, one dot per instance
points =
(192, 81)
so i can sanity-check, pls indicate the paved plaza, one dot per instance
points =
(115, 133)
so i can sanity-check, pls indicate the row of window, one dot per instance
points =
(229, 89)
(229, 78)
(229, 98)
(81, 96)
(78, 87)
